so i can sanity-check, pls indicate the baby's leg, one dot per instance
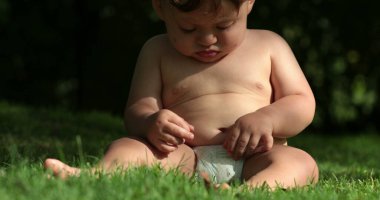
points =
(283, 166)
(126, 152)
(60, 169)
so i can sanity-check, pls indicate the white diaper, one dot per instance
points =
(215, 161)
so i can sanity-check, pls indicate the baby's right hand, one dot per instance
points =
(168, 130)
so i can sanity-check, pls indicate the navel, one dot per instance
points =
(259, 86)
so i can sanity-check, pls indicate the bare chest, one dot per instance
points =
(186, 80)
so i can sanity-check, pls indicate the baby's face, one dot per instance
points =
(206, 34)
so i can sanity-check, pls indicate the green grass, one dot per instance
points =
(349, 164)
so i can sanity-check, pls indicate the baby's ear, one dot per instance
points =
(250, 5)
(157, 5)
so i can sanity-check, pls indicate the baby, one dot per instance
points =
(213, 97)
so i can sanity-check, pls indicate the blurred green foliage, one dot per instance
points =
(81, 54)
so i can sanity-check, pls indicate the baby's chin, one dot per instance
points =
(210, 60)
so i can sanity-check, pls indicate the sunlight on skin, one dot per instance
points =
(64, 171)
(60, 169)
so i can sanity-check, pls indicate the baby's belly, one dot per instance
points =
(211, 114)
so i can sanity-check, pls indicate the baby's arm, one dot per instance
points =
(291, 111)
(294, 104)
(144, 115)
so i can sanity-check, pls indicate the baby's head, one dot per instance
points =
(191, 5)
(206, 30)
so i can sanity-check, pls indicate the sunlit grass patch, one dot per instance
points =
(349, 164)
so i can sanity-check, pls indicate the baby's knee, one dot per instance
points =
(121, 141)
(129, 144)
(308, 167)
(313, 169)
(126, 151)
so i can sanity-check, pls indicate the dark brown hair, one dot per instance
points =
(190, 5)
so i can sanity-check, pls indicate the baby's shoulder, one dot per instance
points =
(158, 42)
(154, 48)
(266, 36)
(268, 39)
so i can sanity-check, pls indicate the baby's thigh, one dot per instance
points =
(282, 162)
(136, 151)
(183, 158)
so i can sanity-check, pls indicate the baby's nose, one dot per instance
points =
(207, 39)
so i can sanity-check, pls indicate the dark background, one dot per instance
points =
(81, 54)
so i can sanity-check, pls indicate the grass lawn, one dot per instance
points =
(349, 164)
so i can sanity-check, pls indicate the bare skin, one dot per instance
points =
(222, 84)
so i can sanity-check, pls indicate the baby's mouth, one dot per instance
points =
(207, 53)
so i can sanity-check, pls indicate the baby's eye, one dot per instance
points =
(187, 30)
(225, 26)
(222, 27)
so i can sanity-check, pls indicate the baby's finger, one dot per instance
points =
(232, 136)
(192, 129)
(170, 139)
(241, 145)
(182, 123)
(161, 145)
(178, 131)
(166, 147)
(252, 146)
(265, 144)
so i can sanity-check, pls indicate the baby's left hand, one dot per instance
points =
(251, 133)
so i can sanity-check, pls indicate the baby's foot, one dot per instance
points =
(209, 184)
(222, 186)
(60, 169)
